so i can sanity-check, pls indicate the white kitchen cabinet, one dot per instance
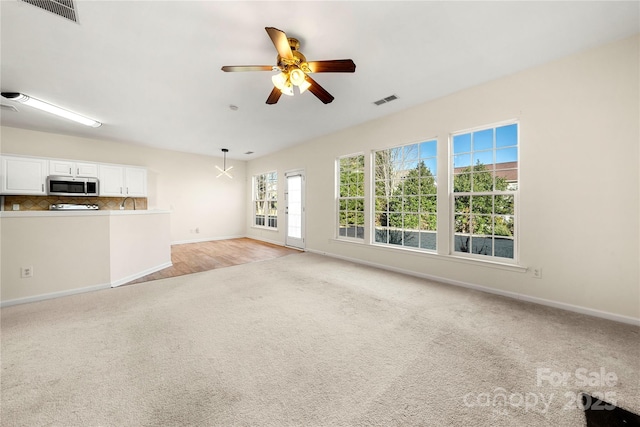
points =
(111, 180)
(122, 181)
(24, 175)
(135, 182)
(70, 168)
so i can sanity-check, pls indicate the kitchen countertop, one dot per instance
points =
(104, 212)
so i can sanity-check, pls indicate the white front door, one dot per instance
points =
(294, 209)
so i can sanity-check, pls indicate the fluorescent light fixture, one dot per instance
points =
(49, 108)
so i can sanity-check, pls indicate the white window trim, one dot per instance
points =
(253, 200)
(336, 225)
(451, 203)
(372, 194)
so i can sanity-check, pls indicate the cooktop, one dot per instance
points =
(72, 207)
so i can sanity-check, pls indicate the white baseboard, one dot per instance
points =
(262, 239)
(550, 303)
(140, 274)
(113, 284)
(52, 295)
(205, 239)
(213, 239)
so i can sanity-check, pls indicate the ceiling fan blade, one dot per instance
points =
(333, 66)
(274, 96)
(319, 91)
(280, 41)
(247, 68)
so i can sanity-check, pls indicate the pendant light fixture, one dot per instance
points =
(224, 170)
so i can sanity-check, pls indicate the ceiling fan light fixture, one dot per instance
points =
(287, 90)
(297, 76)
(304, 86)
(279, 80)
(50, 108)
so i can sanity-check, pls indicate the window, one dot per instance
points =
(351, 197)
(265, 200)
(406, 195)
(485, 187)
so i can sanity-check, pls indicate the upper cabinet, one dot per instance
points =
(111, 180)
(122, 181)
(24, 175)
(69, 168)
(135, 180)
(21, 175)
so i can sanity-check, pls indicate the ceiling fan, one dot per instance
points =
(294, 69)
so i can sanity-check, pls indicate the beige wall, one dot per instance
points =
(50, 245)
(184, 183)
(579, 185)
(72, 252)
(143, 238)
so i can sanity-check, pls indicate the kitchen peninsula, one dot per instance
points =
(47, 254)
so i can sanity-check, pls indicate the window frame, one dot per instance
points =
(270, 196)
(515, 193)
(434, 160)
(350, 198)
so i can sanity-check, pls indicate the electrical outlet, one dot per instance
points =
(16, 206)
(536, 272)
(26, 272)
(198, 230)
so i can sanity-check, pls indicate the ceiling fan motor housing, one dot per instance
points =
(298, 61)
(294, 44)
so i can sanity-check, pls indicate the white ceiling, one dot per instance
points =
(150, 70)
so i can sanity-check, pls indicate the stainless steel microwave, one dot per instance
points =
(72, 186)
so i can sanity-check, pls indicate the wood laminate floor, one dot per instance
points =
(196, 257)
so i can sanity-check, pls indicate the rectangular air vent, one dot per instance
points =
(64, 8)
(385, 100)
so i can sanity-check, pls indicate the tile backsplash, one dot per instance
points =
(42, 203)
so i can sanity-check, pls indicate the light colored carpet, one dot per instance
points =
(305, 340)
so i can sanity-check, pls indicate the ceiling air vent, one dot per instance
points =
(64, 8)
(385, 100)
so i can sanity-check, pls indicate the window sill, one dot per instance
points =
(440, 257)
(262, 227)
(349, 240)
